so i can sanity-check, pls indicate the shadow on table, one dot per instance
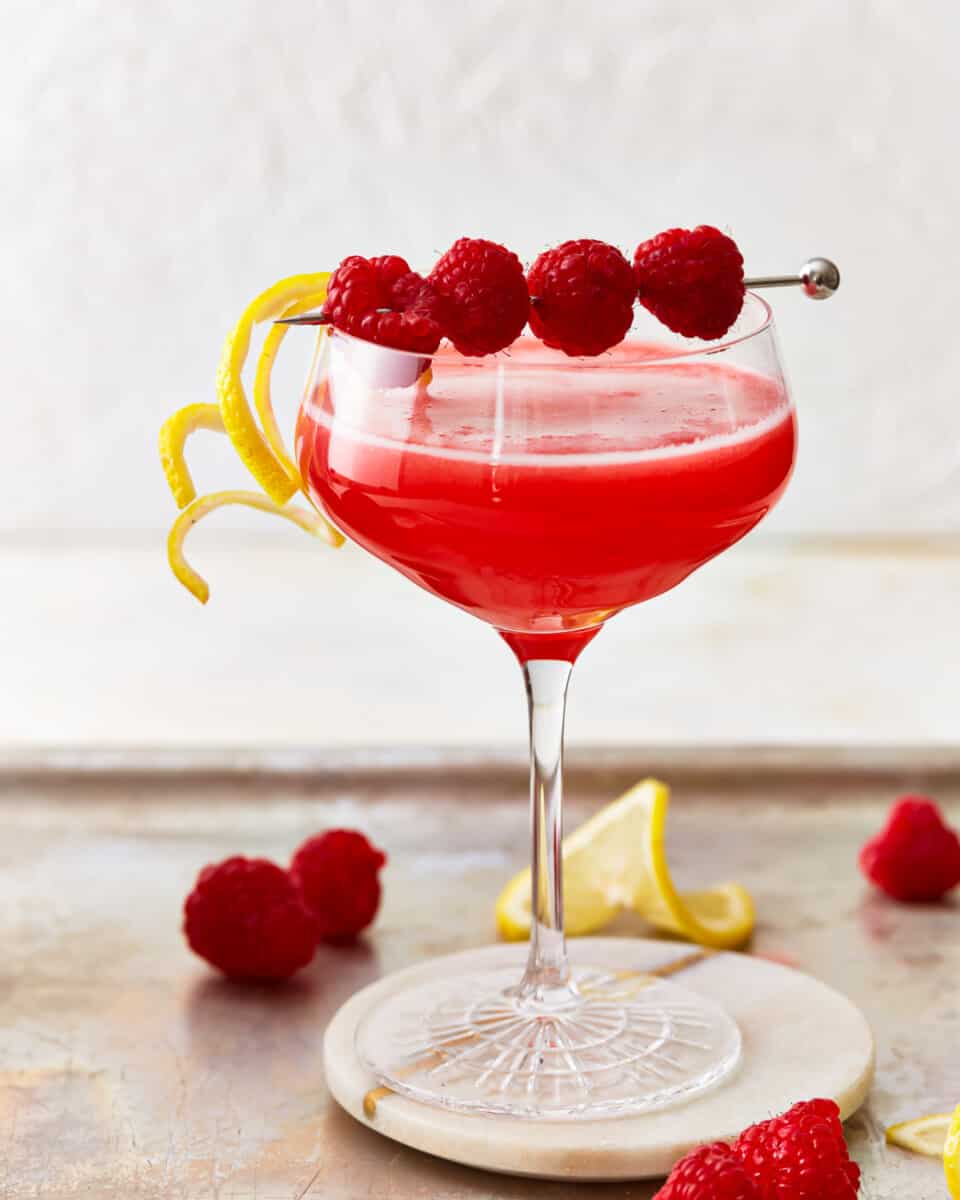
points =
(228, 1019)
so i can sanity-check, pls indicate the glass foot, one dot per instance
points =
(623, 1042)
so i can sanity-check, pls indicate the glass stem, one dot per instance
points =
(546, 982)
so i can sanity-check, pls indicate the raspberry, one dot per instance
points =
(691, 280)
(710, 1173)
(336, 876)
(382, 300)
(916, 856)
(800, 1155)
(583, 297)
(485, 293)
(245, 918)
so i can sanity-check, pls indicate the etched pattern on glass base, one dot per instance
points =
(627, 1043)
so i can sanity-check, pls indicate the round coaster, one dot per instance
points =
(800, 1039)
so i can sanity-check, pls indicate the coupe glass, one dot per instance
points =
(544, 494)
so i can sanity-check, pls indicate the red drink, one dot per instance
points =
(649, 469)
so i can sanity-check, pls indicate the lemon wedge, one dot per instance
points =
(951, 1155)
(935, 1136)
(617, 860)
(924, 1135)
(277, 476)
(312, 522)
(173, 436)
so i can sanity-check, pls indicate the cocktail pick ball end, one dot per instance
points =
(820, 278)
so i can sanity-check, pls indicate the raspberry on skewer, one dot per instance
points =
(584, 294)
(691, 280)
(578, 296)
(484, 294)
(382, 300)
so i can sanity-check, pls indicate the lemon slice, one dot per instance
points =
(616, 860)
(935, 1136)
(173, 435)
(924, 1135)
(951, 1155)
(312, 522)
(254, 449)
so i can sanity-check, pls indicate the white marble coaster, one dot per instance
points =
(800, 1039)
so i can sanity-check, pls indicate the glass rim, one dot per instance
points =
(595, 361)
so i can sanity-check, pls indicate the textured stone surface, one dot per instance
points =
(162, 162)
(130, 1072)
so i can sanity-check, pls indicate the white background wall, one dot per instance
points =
(164, 161)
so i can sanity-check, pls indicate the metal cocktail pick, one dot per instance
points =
(819, 278)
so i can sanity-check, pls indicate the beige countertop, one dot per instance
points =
(773, 643)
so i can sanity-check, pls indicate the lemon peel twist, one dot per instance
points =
(173, 436)
(279, 480)
(262, 450)
(191, 579)
(261, 383)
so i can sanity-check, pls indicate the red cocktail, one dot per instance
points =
(541, 493)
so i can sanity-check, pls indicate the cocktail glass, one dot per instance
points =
(544, 494)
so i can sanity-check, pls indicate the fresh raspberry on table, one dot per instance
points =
(691, 280)
(800, 1155)
(382, 300)
(582, 296)
(485, 294)
(337, 876)
(709, 1173)
(916, 856)
(244, 917)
